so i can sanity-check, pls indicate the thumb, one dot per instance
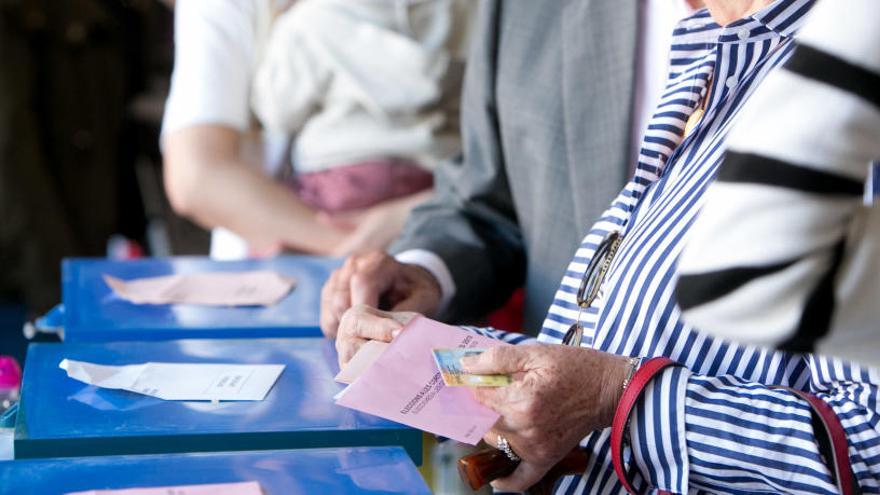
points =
(503, 360)
(419, 302)
(423, 294)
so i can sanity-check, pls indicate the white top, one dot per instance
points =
(360, 79)
(658, 19)
(217, 44)
(216, 47)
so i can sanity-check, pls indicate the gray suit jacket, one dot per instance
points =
(546, 130)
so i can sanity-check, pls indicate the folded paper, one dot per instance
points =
(363, 358)
(254, 288)
(180, 381)
(244, 488)
(403, 384)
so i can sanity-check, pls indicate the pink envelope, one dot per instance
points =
(404, 384)
(361, 361)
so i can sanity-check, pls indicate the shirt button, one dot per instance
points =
(731, 82)
(743, 33)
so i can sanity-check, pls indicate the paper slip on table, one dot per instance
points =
(62, 417)
(368, 470)
(92, 312)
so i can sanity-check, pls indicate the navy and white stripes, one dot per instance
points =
(715, 426)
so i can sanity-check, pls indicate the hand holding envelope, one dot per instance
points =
(404, 384)
(457, 411)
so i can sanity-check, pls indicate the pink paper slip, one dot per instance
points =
(363, 359)
(244, 488)
(404, 384)
(253, 288)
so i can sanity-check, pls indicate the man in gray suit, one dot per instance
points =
(546, 118)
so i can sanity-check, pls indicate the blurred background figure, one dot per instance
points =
(358, 101)
(86, 88)
(75, 80)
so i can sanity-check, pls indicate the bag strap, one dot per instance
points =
(833, 446)
(831, 437)
(649, 369)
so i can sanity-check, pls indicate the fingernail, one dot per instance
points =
(395, 333)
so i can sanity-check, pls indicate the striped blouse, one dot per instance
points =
(784, 231)
(714, 425)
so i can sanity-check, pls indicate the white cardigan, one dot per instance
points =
(360, 79)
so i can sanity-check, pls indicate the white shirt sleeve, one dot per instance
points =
(215, 43)
(437, 267)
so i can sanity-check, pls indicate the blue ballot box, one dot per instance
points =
(62, 417)
(373, 470)
(92, 312)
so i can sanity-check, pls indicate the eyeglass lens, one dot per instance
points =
(590, 284)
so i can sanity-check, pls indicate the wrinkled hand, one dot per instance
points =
(362, 323)
(559, 395)
(377, 280)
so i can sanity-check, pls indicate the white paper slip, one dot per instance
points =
(254, 288)
(180, 381)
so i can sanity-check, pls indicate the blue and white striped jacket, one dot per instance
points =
(714, 425)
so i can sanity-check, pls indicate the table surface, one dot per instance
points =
(93, 312)
(374, 470)
(298, 412)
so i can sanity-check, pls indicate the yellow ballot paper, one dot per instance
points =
(180, 381)
(254, 288)
(244, 488)
(449, 364)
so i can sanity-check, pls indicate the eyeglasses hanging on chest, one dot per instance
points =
(591, 283)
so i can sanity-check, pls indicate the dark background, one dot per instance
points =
(82, 87)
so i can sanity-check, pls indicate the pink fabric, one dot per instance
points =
(10, 373)
(360, 185)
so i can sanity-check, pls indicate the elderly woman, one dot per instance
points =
(656, 405)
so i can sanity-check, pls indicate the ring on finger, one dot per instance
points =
(504, 446)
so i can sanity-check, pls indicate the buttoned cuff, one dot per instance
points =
(436, 267)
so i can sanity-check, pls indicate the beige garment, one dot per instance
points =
(360, 79)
